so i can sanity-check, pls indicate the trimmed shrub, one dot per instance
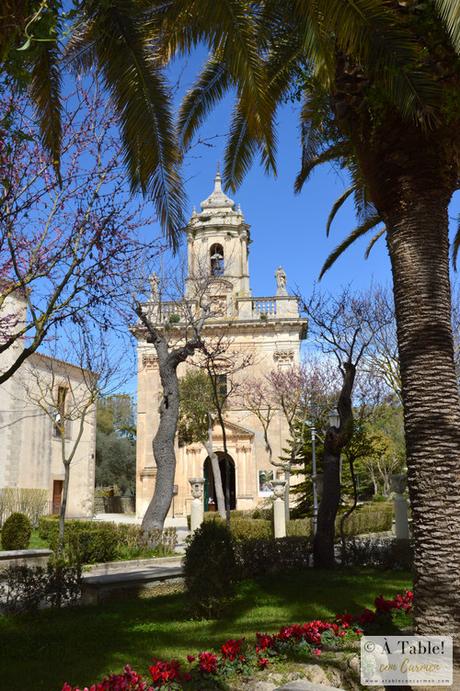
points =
(210, 569)
(259, 557)
(89, 542)
(299, 527)
(251, 528)
(16, 532)
(384, 553)
(370, 518)
(25, 588)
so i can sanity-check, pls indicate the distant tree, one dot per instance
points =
(197, 412)
(115, 462)
(116, 413)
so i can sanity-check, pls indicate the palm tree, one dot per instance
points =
(380, 83)
(119, 40)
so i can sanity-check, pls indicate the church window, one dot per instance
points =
(216, 254)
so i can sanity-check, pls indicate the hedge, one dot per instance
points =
(369, 518)
(90, 542)
(259, 557)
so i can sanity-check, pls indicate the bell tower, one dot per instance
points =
(217, 243)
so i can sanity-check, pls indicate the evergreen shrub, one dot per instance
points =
(259, 557)
(91, 542)
(210, 569)
(16, 532)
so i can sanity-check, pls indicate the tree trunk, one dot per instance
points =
(411, 176)
(419, 252)
(209, 446)
(163, 445)
(323, 546)
(334, 441)
(63, 507)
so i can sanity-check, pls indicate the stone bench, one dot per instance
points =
(24, 557)
(101, 587)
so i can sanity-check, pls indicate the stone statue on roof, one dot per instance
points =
(280, 276)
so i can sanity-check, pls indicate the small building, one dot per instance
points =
(266, 330)
(30, 444)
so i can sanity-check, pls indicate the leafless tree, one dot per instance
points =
(172, 319)
(343, 326)
(66, 392)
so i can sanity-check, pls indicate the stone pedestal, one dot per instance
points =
(398, 485)
(279, 509)
(197, 511)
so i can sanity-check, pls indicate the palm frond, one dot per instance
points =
(376, 237)
(208, 89)
(45, 90)
(455, 247)
(332, 153)
(354, 235)
(139, 89)
(241, 148)
(450, 13)
(370, 33)
(337, 205)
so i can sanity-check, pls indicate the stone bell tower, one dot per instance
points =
(217, 244)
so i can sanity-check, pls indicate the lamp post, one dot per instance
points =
(314, 478)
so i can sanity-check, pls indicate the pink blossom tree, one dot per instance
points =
(67, 244)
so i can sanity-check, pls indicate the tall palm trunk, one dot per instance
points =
(417, 186)
(418, 245)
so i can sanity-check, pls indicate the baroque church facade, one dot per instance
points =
(263, 332)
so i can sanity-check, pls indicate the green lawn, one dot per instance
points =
(37, 542)
(80, 645)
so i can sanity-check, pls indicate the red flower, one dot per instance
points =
(262, 662)
(264, 641)
(164, 672)
(208, 662)
(231, 649)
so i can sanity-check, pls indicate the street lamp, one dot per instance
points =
(334, 418)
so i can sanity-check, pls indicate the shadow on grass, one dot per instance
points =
(82, 644)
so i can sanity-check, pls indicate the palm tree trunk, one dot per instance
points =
(417, 224)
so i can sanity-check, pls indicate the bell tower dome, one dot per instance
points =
(217, 241)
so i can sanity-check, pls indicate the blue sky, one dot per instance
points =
(286, 229)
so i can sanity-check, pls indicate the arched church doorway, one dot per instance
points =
(210, 499)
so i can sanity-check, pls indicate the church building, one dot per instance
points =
(264, 332)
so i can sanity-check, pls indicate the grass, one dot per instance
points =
(37, 542)
(82, 644)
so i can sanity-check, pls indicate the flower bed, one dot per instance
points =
(244, 657)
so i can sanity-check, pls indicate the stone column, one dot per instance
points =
(398, 485)
(279, 512)
(197, 513)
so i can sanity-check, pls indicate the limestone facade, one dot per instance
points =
(30, 446)
(265, 332)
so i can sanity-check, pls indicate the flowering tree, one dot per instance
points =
(67, 244)
(67, 392)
